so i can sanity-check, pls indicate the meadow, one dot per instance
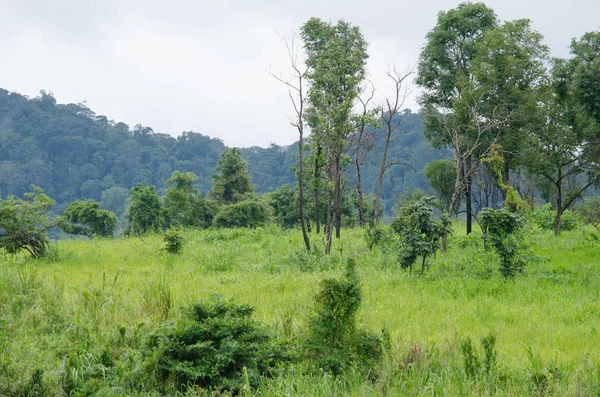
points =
(70, 323)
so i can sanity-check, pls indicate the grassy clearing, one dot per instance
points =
(90, 301)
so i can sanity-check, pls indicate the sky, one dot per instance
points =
(199, 65)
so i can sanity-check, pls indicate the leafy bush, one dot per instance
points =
(248, 213)
(86, 218)
(419, 231)
(174, 241)
(215, 346)
(335, 343)
(23, 223)
(501, 229)
(545, 216)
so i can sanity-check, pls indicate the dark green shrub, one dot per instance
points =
(335, 343)
(174, 241)
(502, 230)
(145, 214)
(545, 216)
(474, 365)
(88, 219)
(215, 346)
(419, 231)
(248, 213)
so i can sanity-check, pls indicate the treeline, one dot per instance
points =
(74, 154)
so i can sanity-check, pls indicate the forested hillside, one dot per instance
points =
(72, 153)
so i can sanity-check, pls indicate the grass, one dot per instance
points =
(92, 300)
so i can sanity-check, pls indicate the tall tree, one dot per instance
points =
(145, 213)
(232, 181)
(444, 67)
(336, 56)
(296, 92)
(391, 126)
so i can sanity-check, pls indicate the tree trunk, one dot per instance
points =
(359, 195)
(468, 200)
(338, 198)
(380, 179)
(316, 180)
(301, 189)
(559, 204)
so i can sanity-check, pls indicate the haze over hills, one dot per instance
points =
(73, 153)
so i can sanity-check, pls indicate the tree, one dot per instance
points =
(419, 231)
(232, 181)
(145, 211)
(184, 205)
(88, 219)
(296, 92)
(560, 150)
(444, 68)
(248, 213)
(286, 209)
(391, 125)
(509, 69)
(336, 56)
(23, 223)
(441, 175)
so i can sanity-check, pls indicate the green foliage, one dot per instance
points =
(23, 223)
(441, 175)
(502, 230)
(419, 231)
(249, 213)
(335, 343)
(145, 212)
(544, 217)
(284, 202)
(86, 218)
(183, 204)
(589, 211)
(232, 181)
(174, 241)
(217, 346)
(475, 365)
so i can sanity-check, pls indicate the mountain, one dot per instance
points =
(72, 153)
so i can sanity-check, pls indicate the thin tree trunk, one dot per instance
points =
(468, 199)
(338, 199)
(301, 188)
(359, 194)
(559, 204)
(380, 179)
(316, 176)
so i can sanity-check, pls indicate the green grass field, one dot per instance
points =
(92, 299)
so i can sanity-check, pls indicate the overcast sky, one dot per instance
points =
(199, 65)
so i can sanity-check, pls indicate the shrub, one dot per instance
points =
(215, 346)
(419, 231)
(23, 223)
(334, 342)
(545, 216)
(174, 241)
(248, 213)
(501, 229)
(86, 218)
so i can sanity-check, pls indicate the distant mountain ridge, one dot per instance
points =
(75, 154)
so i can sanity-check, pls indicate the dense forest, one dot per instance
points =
(73, 153)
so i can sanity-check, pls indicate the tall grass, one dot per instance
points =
(73, 321)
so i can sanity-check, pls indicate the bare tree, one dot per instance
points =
(294, 83)
(363, 142)
(391, 124)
